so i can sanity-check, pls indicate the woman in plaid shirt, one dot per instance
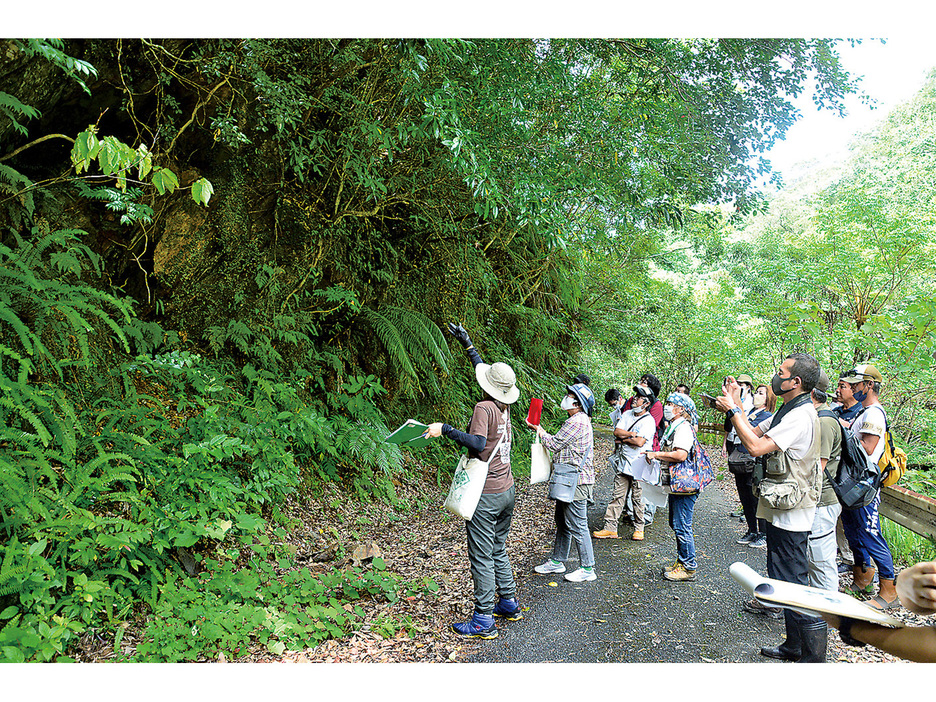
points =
(573, 444)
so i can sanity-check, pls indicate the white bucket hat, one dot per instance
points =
(499, 381)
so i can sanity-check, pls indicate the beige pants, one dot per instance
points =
(623, 483)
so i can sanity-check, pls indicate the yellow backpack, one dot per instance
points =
(893, 463)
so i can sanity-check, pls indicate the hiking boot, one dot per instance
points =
(550, 566)
(671, 568)
(756, 607)
(480, 626)
(637, 536)
(759, 541)
(509, 609)
(582, 575)
(605, 534)
(747, 538)
(680, 574)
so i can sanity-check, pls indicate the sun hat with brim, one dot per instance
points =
(862, 373)
(586, 398)
(499, 381)
(745, 378)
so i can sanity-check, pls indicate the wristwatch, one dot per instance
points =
(734, 410)
(845, 633)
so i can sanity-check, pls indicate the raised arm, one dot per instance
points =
(458, 331)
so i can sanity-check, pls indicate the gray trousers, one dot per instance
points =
(572, 525)
(487, 549)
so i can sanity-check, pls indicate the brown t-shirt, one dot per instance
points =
(490, 422)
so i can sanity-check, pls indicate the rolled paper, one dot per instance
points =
(536, 409)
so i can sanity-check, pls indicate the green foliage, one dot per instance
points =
(11, 108)
(226, 610)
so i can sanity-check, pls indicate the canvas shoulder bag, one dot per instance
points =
(468, 483)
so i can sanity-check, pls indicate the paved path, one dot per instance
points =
(630, 613)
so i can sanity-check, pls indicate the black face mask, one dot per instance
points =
(776, 384)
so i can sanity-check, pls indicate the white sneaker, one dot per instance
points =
(581, 576)
(550, 566)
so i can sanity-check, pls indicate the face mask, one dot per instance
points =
(639, 410)
(567, 403)
(669, 414)
(776, 384)
(860, 395)
(760, 400)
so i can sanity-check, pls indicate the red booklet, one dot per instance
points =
(536, 409)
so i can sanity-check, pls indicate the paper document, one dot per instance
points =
(411, 434)
(807, 600)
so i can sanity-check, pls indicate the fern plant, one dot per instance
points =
(412, 342)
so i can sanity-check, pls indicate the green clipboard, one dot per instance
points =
(410, 435)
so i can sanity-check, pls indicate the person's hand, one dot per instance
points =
(434, 430)
(649, 456)
(916, 588)
(458, 331)
(731, 395)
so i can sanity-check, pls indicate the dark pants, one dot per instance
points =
(863, 530)
(745, 484)
(787, 560)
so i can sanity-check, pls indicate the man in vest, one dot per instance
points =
(788, 488)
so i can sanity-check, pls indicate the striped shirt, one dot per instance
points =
(573, 441)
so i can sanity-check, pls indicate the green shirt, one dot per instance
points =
(830, 448)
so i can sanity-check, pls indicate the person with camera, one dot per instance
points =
(741, 464)
(788, 491)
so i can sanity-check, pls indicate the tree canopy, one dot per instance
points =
(228, 264)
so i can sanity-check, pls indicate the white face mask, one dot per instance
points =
(668, 413)
(639, 410)
(567, 403)
(760, 400)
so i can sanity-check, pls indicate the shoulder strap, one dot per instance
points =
(640, 418)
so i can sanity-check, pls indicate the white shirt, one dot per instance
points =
(871, 421)
(645, 427)
(682, 436)
(793, 435)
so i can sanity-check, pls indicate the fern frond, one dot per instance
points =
(396, 349)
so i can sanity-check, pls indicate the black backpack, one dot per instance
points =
(857, 481)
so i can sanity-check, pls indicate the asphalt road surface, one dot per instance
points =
(630, 614)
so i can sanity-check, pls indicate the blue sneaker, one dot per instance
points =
(509, 609)
(480, 626)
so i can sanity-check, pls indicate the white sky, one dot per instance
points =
(892, 73)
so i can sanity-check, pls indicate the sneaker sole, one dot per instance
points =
(550, 572)
(689, 578)
(479, 635)
(509, 617)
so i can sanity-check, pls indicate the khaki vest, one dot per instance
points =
(790, 484)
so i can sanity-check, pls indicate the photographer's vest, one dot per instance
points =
(786, 483)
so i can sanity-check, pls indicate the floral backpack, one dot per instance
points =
(693, 474)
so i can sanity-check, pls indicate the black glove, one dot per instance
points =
(458, 331)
